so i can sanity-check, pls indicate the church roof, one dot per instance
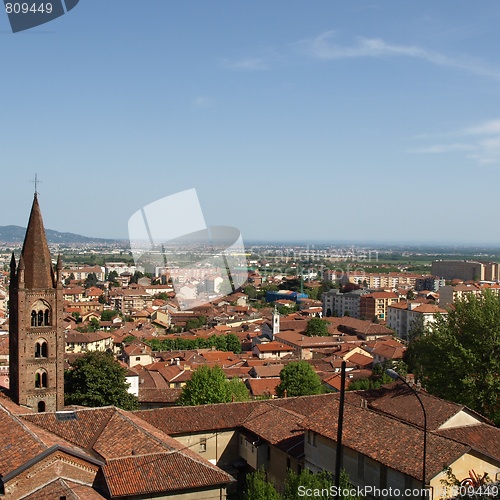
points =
(35, 254)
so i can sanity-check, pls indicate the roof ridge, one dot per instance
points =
(124, 415)
(24, 426)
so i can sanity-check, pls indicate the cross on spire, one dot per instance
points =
(36, 182)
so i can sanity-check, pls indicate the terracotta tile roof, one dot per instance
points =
(187, 419)
(276, 425)
(153, 395)
(390, 351)
(18, 445)
(273, 370)
(82, 431)
(273, 346)
(482, 437)
(360, 359)
(139, 458)
(397, 400)
(148, 474)
(263, 386)
(63, 488)
(386, 440)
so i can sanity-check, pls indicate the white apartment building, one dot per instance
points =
(402, 315)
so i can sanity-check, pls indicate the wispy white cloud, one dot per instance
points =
(324, 47)
(482, 143)
(248, 64)
(486, 128)
(203, 102)
(445, 148)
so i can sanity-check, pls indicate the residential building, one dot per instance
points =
(449, 293)
(430, 283)
(402, 315)
(466, 270)
(336, 303)
(77, 342)
(375, 304)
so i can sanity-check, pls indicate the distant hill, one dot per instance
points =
(15, 234)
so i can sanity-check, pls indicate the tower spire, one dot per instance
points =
(35, 252)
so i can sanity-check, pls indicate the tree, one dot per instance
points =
(258, 488)
(113, 278)
(458, 356)
(317, 327)
(97, 379)
(297, 486)
(90, 280)
(298, 379)
(109, 315)
(237, 390)
(320, 481)
(233, 343)
(209, 385)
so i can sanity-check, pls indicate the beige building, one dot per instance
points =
(402, 315)
(449, 293)
(466, 270)
(77, 342)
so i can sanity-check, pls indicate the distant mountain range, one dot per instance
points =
(15, 234)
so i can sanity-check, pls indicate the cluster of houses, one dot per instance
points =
(205, 452)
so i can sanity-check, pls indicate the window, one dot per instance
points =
(311, 438)
(41, 349)
(41, 406)
(137, 358)
(203, 445)
(40, 314)
(41, 379)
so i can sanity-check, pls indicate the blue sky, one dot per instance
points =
(297, 120)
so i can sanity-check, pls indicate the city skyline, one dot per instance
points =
(367, 122)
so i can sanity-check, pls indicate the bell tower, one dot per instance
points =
(36, 340)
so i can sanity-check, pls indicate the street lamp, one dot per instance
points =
(396, 376)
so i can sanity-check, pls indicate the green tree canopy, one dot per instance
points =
(109, 315)
(97, 379)
(257, 487)
(209, 385)
(297, 486)
(317, 327)
(298, 379)
(90, 280)
(458, 358)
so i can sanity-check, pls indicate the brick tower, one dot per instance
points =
(36, 340)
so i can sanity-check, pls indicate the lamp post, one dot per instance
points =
(396, 376)
(338, 459)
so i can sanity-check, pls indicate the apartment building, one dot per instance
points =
(467, 270)
(374, 305)
(339, 304)
(449, 293)
(402, 315)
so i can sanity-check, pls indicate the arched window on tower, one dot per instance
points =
(41, 406)
(41, 381)
(41, 314)
(41, 349)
